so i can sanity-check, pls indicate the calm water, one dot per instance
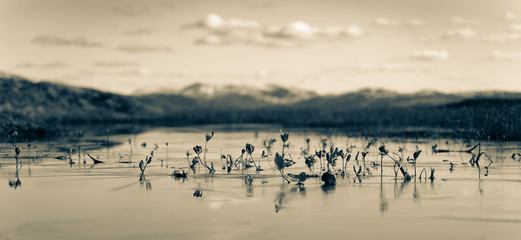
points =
(59, 200)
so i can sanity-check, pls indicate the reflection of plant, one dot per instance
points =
(198, 193)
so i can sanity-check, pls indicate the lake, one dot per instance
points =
(56, 196)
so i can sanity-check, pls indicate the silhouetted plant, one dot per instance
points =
(143, 165)
(282, 163)
(384, 152)
(310, 162)
(9, 135)
(249, 149)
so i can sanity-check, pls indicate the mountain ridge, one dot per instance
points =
(29, 105)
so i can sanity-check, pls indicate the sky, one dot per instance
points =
(329, 46)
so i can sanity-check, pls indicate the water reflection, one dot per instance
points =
(16, 183)
(143, 181)
(286, 193)
(384, 204)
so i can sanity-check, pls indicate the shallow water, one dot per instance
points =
(59, 200)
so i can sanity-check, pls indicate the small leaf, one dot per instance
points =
(417, 154)
(249, 148)
(209, 136)
(141, 163)
(279, 161)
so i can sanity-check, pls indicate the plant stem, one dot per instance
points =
(281, 174)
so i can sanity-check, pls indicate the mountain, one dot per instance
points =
(221, 95)
(37, 107)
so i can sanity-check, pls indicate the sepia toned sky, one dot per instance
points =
(329, 46)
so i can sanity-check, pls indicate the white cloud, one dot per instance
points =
(141, 48)
(461, 33)
(221, 30)
(215, 22)
(78, 41)
(429, 55)
(386, 22)
(515, 27)
(509, 16)
(510, 56)
(47, 65)
(503, 38)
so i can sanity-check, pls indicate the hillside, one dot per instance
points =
(42, 108)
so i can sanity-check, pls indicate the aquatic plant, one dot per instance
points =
(143, 164)
(284, 137)
(198, 150)
(310, 162)
(9, 135)
(282, 163)
(249, 149)
(300, 178)
(179, 174)
(320, 154)
(268, 144)
(384, 152)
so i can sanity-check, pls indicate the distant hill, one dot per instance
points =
(28, 105)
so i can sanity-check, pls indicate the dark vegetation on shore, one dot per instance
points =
(46, 110)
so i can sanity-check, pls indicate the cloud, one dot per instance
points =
(130, 10)
(385, 22)
(114, 64)
(139, 31)
(429, 55)
(503, 38)
(509, 56)
(509, 16)
(461, 33)
(42, 65)
(141, 48)
(222, 31)
(215, 22)
(515, 27)
(374, 68)
(54, 40)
